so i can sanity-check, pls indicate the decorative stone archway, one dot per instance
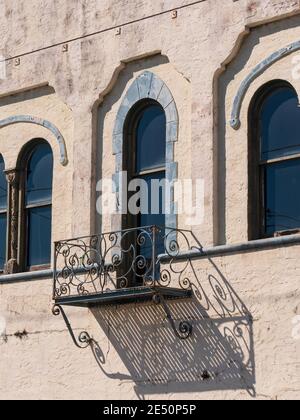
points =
(148, 86)
(28, 119)
(235, 121)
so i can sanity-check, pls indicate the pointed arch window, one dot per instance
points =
(275, 161)
(3, 214)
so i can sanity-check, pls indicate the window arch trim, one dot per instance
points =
(235, 121)
(148, 86)
(28, 119)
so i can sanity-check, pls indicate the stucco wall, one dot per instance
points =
(202, 55)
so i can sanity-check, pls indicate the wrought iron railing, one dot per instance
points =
(119, 261)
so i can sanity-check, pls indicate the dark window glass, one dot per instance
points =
(3, 186)
(150, 157)
(39, 175)
(280, 119)
(3, 222)
(280, 170)
(3, 214)
(157, 217)
(39, 236)
(282, 196)
(38, 201)
(151, 139)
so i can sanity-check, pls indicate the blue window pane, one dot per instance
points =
(280, 125)
(3, 186)
(156, 214)
(282, 196)
(151, 139)
(39, 236)
(155, 200)
(39, 175)
(3, 220)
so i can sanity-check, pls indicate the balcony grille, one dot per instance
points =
(111, 263)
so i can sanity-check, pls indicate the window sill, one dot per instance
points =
(251, 246)
(38, 268)
(28, 276)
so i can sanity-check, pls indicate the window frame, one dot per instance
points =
(257, 166)
(130, 153)
(5, 212)
(24, 161)
(129, 164)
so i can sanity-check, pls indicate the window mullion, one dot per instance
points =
(12, 264)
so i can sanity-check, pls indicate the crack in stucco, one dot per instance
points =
(4, 338)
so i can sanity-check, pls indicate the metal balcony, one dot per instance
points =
(122, 267)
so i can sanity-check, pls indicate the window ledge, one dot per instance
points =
(217, 251)
(28, 276)
(251, 246)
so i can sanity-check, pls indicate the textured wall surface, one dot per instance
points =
(71, 62)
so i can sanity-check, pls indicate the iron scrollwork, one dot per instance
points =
(119, 261)
(185, 328)
(84, 340)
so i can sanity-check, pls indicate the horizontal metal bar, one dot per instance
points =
(223, 250)
(38, 205)
(150, 171)
(142, 228)
(29, 276)
(279, 160)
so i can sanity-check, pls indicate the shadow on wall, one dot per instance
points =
(218, 356)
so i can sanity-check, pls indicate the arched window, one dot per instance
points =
(146, 161)
(37, 203)
(3, 214)
(146, 91)
(275, 161)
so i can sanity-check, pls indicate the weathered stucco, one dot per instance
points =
(203, 56)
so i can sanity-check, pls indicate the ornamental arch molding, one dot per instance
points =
(27, 119)
(235, 121)
(149, 86)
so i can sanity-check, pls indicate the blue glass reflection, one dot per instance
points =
(3, 186)
(280, 125)
(3, 223)
(3, 215)
(282, 196)
(39, 236)
(39, 175)
(151, 139)
(156, 215)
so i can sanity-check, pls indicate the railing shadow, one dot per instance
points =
(218, 356)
